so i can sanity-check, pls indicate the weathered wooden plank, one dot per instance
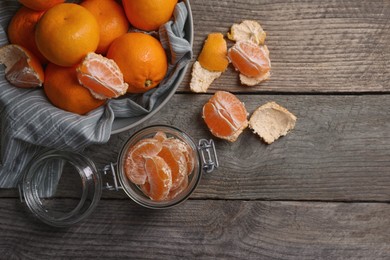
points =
(339, 150)
(315, 46)
(206, 229)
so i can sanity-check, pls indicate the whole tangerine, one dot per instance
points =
(111, 19)
(40, 5)
(64, 91)
(149, 15)
(142, 60)
(66, 33)
(21, 30)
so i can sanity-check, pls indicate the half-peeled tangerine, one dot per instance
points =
(22, 68)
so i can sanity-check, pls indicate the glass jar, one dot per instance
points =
(45, 196)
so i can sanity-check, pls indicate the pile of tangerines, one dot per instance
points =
(84, 54)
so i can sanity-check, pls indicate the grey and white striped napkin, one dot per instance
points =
(30, 124)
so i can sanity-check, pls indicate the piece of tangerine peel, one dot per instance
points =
(22, 68)
(248, 30)
(271, 121)
(201, 78)
(213, 56)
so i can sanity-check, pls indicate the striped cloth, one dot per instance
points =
(30, 124)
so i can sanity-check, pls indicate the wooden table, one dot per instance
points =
(321, 192)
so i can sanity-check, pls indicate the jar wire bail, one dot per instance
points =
(208, 154)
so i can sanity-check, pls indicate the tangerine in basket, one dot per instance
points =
(159, 178)
(111, 19)
(21, 30)
(40, 5)
(225, 115)
(142, 60)
(101, 76)
(250, 59)
(213, 56)
(134, 166)
(23, 69)
(148, 15)
(66, 33)
(64, 91)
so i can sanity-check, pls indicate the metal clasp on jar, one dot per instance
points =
(106, 170)
(208, 155)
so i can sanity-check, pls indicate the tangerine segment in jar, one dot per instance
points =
(135, 159)
(159, 177)
(176, 162)
(225, 115)
(160, 166)
(250, 59)
(185, 149)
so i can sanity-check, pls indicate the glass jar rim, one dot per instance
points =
(33, 193)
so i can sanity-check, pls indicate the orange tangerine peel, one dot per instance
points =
(247, 30)
(213, 55)
(101, 76)
(212, 61)
(22, 68)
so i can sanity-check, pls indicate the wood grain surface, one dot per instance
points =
(321, 192)
(205, 229)
(315, 46)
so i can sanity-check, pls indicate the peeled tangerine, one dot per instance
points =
(22, 68)
(225, 116)
(252, 61)
(101, 76)
(212, 61)
(160, 166)
(271, 121)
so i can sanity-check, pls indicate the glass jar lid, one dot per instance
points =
(61, 188)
